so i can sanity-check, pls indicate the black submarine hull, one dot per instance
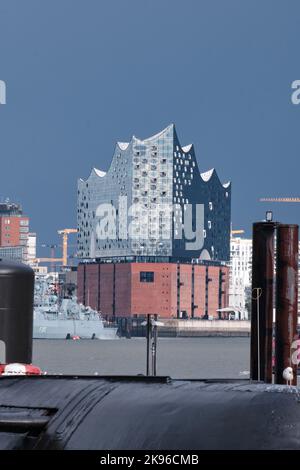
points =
(128, 413)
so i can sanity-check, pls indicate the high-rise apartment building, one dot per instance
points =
(240, 277)
(14, 228)
(31, 248)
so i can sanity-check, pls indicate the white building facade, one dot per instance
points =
(31, 248)
(240, 277)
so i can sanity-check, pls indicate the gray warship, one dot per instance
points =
(56, 318)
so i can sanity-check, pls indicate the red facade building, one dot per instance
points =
(14, 227)
(171, 290)
(13, 230)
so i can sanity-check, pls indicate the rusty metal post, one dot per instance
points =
(154, 345)
(262, 301)
(286, 299)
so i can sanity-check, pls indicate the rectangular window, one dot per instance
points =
(146, 276)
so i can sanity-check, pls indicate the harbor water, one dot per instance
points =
(211, 357)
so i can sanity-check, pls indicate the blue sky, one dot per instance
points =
(82, 74)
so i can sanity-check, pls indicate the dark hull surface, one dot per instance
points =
(61, 412)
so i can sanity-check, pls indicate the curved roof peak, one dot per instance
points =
(99, 172)
(226, 185)
(187, 148)
(170, 127)
(207, 174)
(94, 171)
(164, 131)
(123, 145)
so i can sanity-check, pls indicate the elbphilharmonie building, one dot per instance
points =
(153, 204)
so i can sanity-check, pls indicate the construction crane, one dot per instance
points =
(237, 232)
(65, 233)
(279, 199)
(48, 260)
(52, 255)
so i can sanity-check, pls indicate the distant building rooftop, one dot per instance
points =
(10, 208)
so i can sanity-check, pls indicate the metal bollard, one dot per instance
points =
(16, 311)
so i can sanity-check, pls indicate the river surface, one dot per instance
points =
(176, 357)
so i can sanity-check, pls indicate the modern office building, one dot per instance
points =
(240, 277)
(154, 233)
(31, 249)
(154, 203)
(14, 228)
(13, 253)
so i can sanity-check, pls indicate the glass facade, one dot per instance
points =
(139, 207)
(14, 253)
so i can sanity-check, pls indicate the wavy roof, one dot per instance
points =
(123, 145)
(207, 174)
(155, 136)
(99, 172)
(187, 148)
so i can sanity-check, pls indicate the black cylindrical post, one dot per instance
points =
(148, 333)
(16, 311)
(262, 301)
(286, 300)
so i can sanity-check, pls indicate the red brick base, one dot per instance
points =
(186, 290)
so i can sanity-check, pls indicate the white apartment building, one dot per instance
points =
(240, 274)
(31, 248)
